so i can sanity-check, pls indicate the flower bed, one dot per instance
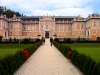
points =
(26, 54)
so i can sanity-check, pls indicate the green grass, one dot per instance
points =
(90, 49)
(6, 49)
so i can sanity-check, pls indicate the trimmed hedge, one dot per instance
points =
(85, 63)
(10, 63)
(0, 38)
(68, 40)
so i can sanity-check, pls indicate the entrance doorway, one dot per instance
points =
(46, 34)
(98, 38)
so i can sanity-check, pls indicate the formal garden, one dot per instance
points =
(85, 54)
(14, 53)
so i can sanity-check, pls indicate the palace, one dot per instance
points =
(50, 26)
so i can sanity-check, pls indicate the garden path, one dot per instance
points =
(47, 60)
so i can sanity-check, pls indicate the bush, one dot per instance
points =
(0, 38)
(10, 40)
(26, 41)
(57, 40)
(37, 40)
(11, 63)
(68, 41)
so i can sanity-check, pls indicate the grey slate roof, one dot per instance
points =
(57, 18)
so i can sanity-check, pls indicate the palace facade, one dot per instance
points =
(50, 26)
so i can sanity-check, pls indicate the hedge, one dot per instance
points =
(85, 63)
(10, 63)
(0, 38)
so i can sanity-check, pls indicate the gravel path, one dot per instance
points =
(47, 60)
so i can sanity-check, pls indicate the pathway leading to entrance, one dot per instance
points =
(47, 60)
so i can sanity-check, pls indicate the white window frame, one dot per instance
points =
(32, 27)
(28, 28)
(95, 31)
(94, 24)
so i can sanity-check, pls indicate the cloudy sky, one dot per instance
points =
(53, 7)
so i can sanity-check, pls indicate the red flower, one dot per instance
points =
(26, 53)
(68, 54)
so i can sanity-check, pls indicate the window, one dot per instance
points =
(60, 27)
(56, 27)
(32, 34)
(28, 27)
(21, 26)
(99, 23)
(15, 33)
(83, 33)
(94, 23)
(5, 33)
(46, 26)
(28, 34)
(15, 26)
(24, 28)
(94, 31)
(37, 27)
(52, 26)
(88, 33)
(77, 25)
(32, 27)
(82, 25)
(11, 26)
(65, 27)
(10, 33)
(41, 26)
(78, 33)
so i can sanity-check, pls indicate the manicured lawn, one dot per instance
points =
(6, 49)
(90, 49)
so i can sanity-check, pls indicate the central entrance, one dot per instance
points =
(47, 34)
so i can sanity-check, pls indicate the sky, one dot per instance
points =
(53, 7)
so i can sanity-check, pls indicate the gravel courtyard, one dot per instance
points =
(47, 60)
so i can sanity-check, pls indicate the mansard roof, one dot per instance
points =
(57, 18)
(27, 18)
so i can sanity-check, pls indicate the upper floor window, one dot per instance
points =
(37, 27)
(82, 32)
(32, 27)
(99, 23)
(10, 33)
(28, 27)
(46, 26)
(77, 25)
(56, 27)
(60, 27)
(28, 34)
(94, 23)
(24, 28)
(41, 26)
(52, 26)
(82, 25)
(11, 26)
(94, 31)
(32, 34)
(16, 26)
